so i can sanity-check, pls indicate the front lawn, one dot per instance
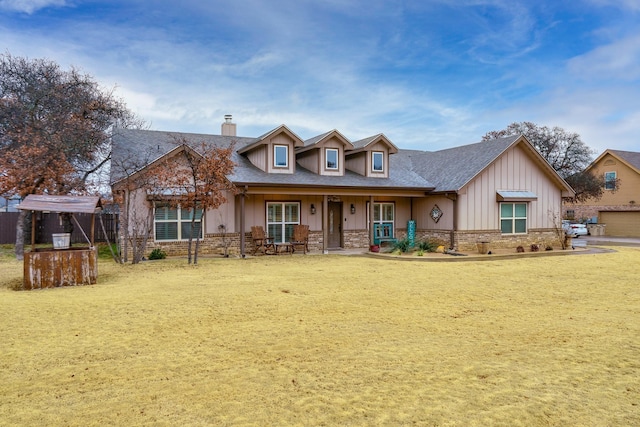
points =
(327, 340)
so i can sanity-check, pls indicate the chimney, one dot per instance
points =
(228, 127)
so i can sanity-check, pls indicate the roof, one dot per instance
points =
(441, 171)
(453, 168)
(66, 204)
(631, 158)
(133, 149)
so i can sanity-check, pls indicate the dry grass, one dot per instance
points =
(328, 340)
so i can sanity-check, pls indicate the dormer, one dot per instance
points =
(324, 154)
(274, 152)
(370, 156)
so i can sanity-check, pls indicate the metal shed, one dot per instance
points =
(61, 265)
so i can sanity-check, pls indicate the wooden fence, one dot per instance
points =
(49, 223)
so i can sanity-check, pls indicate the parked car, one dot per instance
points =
(574, 229)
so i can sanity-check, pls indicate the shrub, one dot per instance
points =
(402, 246)
(427, 246)
(535, 248)
(519, 249)
(157, 253)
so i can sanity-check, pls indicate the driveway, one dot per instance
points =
(611, 241)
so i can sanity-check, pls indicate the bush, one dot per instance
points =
(402, 246)
(427, 246)
(157, 253)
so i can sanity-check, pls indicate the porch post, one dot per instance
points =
(325, 224)
(371, 236)
(242, 196)
(452, 238)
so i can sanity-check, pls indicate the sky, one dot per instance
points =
(429, 74)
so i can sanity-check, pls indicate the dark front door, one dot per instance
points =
(335, 225)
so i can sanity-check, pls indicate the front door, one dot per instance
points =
(335, 225)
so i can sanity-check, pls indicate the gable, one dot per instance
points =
(626, 173)
(324, 154)
(515, 176)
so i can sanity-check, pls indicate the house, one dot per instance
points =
(619, 207)
(350, 192)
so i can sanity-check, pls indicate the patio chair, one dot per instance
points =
(260, 241)
(300, 237)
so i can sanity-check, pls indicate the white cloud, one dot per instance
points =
(619, 60)
(30, 6)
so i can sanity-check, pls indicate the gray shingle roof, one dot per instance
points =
(134, 148)
(631, 157)
(445, 170)
(451, 169)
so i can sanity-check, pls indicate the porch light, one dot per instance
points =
(313, 209)
(353, 209)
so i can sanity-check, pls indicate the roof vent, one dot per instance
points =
(228, 127)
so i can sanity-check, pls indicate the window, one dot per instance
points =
(383, 219)
(609, 180)
(174, 223)
(513, 218)
(383, 213)
(377, 161)
(281, 217)
(331, 157)
(280, 156)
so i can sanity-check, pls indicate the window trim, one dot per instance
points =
(382, 221)
(513, 218)
(326, 159)
(275, 156)
(283, 223)
(373, 161)
(610, 184)
(179, 221)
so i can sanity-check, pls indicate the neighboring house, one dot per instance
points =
(502, 191)
(9, 204)
(619, 207)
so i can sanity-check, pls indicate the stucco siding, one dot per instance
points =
(629, 188)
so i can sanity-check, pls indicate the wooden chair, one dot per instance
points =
(300, 237)
(260, 241)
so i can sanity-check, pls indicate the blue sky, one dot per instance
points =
(429, 74)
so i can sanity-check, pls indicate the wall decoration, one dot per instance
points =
(436, 213)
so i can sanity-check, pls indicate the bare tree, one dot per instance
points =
(130, 193)
(195, 181)
(566, 153)
(54, 129)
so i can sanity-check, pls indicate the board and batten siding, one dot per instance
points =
(422, 213)
(258, 157)
(515, 170)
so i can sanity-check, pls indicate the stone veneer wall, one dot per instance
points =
(467, 240)
(583, 212)
(213, 244)
(354, 239)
